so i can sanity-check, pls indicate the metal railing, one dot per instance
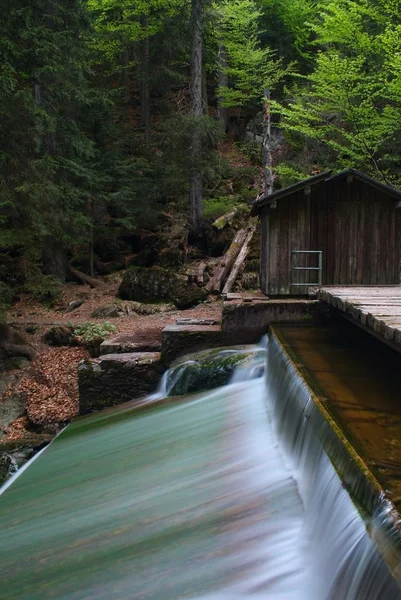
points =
(319, 268)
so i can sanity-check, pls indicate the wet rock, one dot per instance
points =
(208, 369)
(7, 466)
(155, 284)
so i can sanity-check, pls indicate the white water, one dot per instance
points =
(226, 497)
(343, 563)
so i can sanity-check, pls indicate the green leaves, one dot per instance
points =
(250, 67)
(351, 102)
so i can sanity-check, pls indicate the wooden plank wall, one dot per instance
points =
(355, 225)
(362, 244)
(289, 230)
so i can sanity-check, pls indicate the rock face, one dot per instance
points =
(155, 284)
(117, 378)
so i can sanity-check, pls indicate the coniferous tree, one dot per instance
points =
(46, 171)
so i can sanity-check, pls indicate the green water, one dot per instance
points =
(181, 501)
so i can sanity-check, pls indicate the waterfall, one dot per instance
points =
(243, 492)
(345, 563)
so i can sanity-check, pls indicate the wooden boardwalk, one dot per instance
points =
(376, 309)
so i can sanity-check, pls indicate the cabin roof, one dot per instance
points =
(325, 178)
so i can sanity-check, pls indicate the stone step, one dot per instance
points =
(149, 341)
(208, 322)
(117, 378)
(186, 339)
(245, 297)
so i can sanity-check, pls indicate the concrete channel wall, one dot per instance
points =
(309, 409)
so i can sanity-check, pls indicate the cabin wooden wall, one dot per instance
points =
(284, 229)
(355, 225)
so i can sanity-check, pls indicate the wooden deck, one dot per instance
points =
(376, 309)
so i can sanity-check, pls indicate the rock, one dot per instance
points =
(7, 466)
(109, 311)
(10, 409)
(149, 341)
(185, 295)
(155, 284)
(125, 309)
(209, 369)
(141, 308)
(13, 345)
(189, 321)
(117, 378)
(61, 335)
(183, 339)
(19, 362)
(74, 305)
(31, 328)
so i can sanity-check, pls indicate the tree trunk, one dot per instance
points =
(218, 279)
(125, 76)
(196, 181)
(54, 259)
(144, 78)
(91, 238)
(84, 279)
(222, 112)
(267, 143)
(239, 263)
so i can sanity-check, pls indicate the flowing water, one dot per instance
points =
(227, 494)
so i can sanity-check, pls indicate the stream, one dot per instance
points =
(219, 495)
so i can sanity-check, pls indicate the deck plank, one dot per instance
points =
(375, 308)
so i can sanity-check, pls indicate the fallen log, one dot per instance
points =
(200, 273)
(84, 279)
(225, 266)
(221, 222)
(240, 261)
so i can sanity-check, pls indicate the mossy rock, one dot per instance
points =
(157, 284)
(208, 369)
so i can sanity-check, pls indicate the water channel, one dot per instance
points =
(240, 492)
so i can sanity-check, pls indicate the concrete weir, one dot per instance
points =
(131, 365)
(348, 398)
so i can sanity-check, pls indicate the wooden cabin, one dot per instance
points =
(341, 229)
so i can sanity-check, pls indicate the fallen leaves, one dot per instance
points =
(51, 386)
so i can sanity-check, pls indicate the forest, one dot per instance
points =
(119, 121)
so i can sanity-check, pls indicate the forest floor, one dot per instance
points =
(49, 382)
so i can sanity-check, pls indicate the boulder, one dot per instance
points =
(156, 284)
(109, 311)
(61, 335)
(211, 369)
